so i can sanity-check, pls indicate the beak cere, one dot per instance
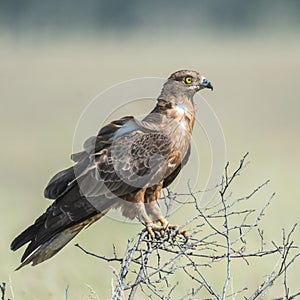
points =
(206, 84)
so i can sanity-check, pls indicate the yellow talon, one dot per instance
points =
(164, 223)
(150, 230)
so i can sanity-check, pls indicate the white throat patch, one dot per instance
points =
(180, 108)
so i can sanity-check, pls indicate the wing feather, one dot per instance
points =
(60, 182)
(130, 163)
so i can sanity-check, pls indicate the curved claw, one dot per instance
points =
(152, 228)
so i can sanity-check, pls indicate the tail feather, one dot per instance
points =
(49, 249)
(28, 234)
(61, 222)
(55, 244)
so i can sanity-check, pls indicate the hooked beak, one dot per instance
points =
(206, 84)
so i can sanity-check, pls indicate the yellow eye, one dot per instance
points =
(188, 79)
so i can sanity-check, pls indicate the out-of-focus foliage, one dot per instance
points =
(133, 14)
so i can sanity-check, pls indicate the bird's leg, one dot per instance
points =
(150, 226)
(154, 210)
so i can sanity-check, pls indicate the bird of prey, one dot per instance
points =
(125, 166)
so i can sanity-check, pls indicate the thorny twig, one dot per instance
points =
(148, 265)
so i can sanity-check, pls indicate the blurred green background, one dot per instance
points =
(55, 56)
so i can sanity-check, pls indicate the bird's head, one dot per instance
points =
(185, 82)
(190, 80)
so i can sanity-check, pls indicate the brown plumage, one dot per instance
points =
(125, 166)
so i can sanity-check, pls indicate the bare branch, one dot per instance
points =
(218, 233)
